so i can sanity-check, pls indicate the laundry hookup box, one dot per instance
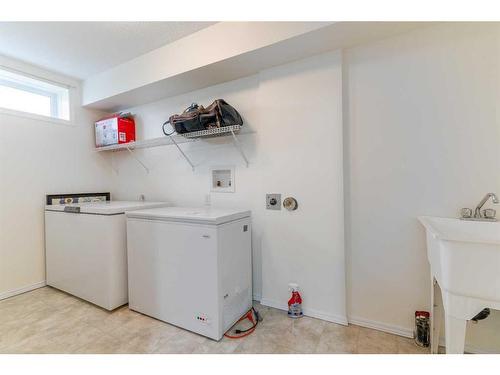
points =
(119, 128)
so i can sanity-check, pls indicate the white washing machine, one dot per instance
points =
(191, 267)
(86, 249)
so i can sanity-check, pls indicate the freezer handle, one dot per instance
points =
(72, 209)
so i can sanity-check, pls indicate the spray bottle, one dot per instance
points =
(295, 302)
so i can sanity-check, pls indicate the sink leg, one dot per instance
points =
(436, 316)
(455, 334)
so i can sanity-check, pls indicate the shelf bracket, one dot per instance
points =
(137, 159)
(182, 152)
(237, 144)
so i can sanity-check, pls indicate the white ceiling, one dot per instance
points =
(81, 49)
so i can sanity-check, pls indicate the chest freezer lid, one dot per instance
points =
(202, 215)
(107, 208)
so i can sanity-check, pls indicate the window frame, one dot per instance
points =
(53, 97)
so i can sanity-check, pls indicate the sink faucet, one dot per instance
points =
(494, 198)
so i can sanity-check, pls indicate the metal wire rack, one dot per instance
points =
(213, 132)
(178, 139)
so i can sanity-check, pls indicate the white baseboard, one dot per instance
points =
(406, 332)
(15, 292)
(257, 297)
(379, 326)
(313, 313)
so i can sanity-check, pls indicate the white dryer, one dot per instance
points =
(191, 267)
(86, 249)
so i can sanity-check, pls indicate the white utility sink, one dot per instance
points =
(465, 262)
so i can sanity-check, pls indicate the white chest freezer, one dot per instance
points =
(86, 249)
(191, 267)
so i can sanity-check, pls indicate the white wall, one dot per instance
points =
(422, 137)
(295, 110)
(38, 158)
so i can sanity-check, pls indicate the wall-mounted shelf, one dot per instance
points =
(146, 143)
(177, 139)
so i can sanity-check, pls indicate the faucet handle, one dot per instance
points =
(489, 213)
(466, 212)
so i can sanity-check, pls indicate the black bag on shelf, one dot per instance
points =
(196, 118)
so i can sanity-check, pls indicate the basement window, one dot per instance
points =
(31, 95)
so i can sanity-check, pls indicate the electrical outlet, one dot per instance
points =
(273, 201)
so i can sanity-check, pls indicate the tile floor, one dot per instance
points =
(49, 321)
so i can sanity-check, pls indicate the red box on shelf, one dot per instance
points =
(114, 130)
